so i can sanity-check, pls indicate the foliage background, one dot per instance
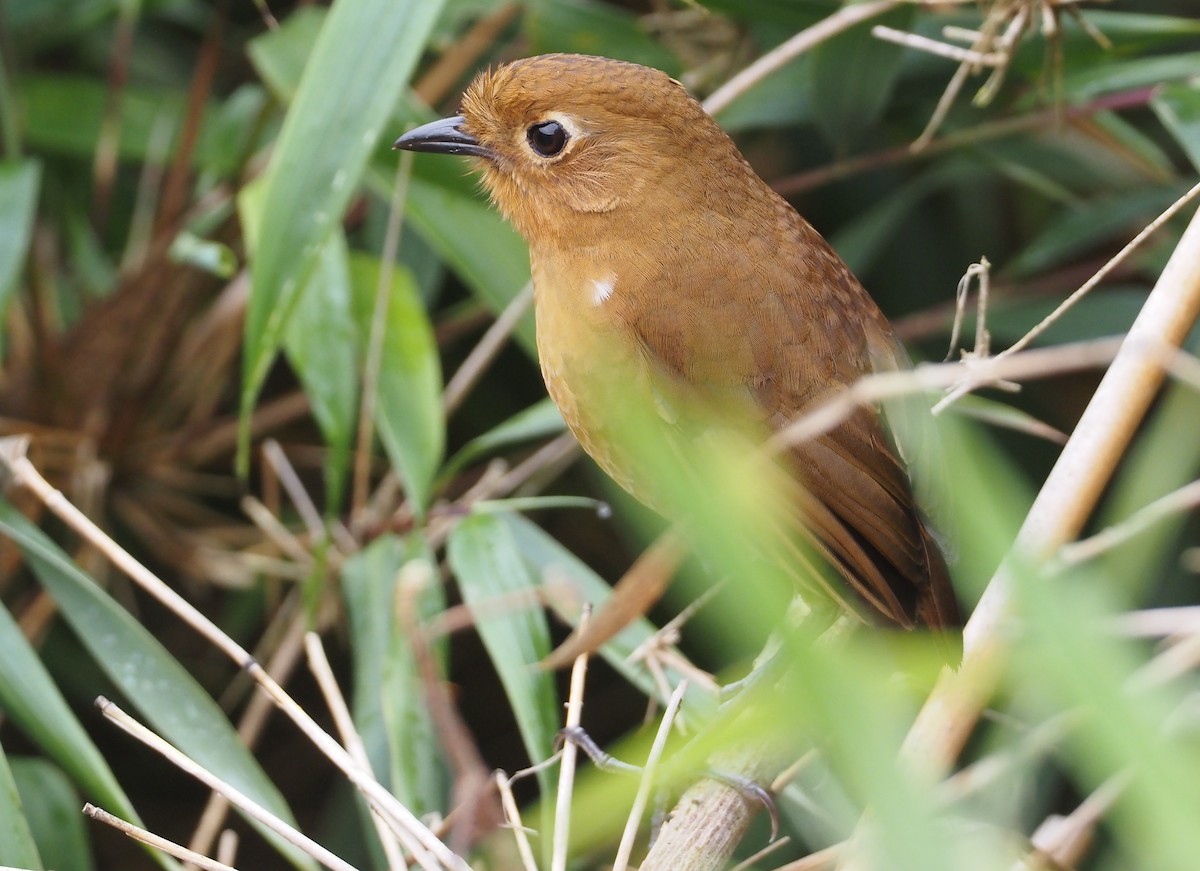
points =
(197, 212)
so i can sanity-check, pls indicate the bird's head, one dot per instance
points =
(561, 137)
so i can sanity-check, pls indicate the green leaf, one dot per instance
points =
(1071, 661)
(1135, 30)
(444, 204)
(389, 698)
(541, 420)
(362, 60)
(779, 99)
(792, 15)
(52, 808)
(63, 114)
(589, 27)
(861, 240)
(29, 697)
(546, 557)
(1115, 217)
(322, 345)
(478, 245)
(1085, 84)
(212, 257)
(1178, 107)
(154, 681)
(408, 412)
(17, 845)
(851, 78)
(280, 55)
(489, 567)
(19, 182)
(1106, 311)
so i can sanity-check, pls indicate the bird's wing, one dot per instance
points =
(774, 362)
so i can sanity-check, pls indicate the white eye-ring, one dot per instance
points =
(549, 137)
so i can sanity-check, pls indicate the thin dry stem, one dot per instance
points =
(642, 797)
(227, 846)
(1172, 505)
(1103, 271)
(817, 861)
(485, 351)
(1159, 622)
(981, 272)
(1064, 840)
(1066, 499)
(826, 28)
(235, 797)
(1181, 656)
(753, 861)
(971, 383)
(512, 817)
(935, 47)
(1038, 363)
(444, 73)
(254, 719)
(153, 840)
(318, 664)
(275, 457)
(12, 455)
(1034, 742)
(262, 517)
(570, 752)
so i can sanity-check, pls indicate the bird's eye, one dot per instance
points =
(547, 138)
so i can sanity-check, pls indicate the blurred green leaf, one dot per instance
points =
(861, 240)
(793, 14)
(590, 27)
(213, 257)
(851, 78)
(1136, 31)
(1178, 107)
(408, 411)
(541, 420)
(1104, 312)
(487, 562)
(280, 55)
(389, 696)
(45, 23)
(485, 252)
(52, 808)
(1071, 660)
(63, 114)
(547, 558)
(1116, 217)
(19, 183)
(233, 130)
(322, 344)
(30, 698)
(154, 681)
(1080, 85)
(17, 846)
(855, 710)
(363, 57)
(777, 100)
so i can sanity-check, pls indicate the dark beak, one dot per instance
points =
(442, 137)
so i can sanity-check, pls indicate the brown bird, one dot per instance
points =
(668, 276)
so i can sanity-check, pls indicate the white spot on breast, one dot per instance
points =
(602, 289)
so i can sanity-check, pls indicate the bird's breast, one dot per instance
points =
(593, 368)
